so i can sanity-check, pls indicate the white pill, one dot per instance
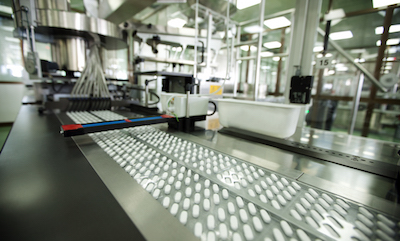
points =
(248, 233)
(386, 221)
(174, 209)
(207, 193)
(231, 208)
(261, 172)
(223, 231)
(243, 182)
(211, 236)
(198, 229)
(256, 176)
(236, 237)
(264, 184)
(221, 214)
(196, 177)
(188, 191)
(178, 197)
(257, 224)
(386, 229)
(275, 190)
(167, 189)
(197, 187)
(274, 177)
(363, 228)
(312, 222)
(215, 188)
(286, 228)
(339, 209)
(178, 185)
(309, 197)
(234, 223)
(210, 222)
(166, 202)
(295, 214)
(295, 185)
(243, 215)
(197, 198)
(216, 199)
(301, 209)
(280, 185)
(275, 204)
(269, 180)
(239, 202)
(187, 181)
(196, 211)
(327, 198)
(292, 191)
(252, 208)
(287, 195)
(316, 216)
(171, 180)
(156, 193)
(384, 236)
(302, 235)
(270, 195)
(251, 192)
(258, 189)
(305, 203)
(263, 198)
(320, 209)
(265, 216)
(186, 203)
(323, 203)
(284, 181)
(278, 235)
(207, 183)
(183, 217)
(342, 203)
(225, 194)
(150, 187)
(365, 212)
(206, 204)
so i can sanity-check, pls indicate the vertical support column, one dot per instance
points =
(237, 74)
(377, 73)
(209, 34)
(356, 103)
(259, 45)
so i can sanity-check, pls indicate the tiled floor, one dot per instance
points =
(4, 130)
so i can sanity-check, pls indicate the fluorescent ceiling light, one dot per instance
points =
(328, 55)
(13, 40)
(246, 48)
(341, 35)
(176, 22)
(276, 58)
(266, 54)
(278, 22)
(272, 45)
(265, 67)
(318, 49)
(252, 29)
(333, 14)
(383, 3)
(241, 4)
(392, 29)
(392, 41)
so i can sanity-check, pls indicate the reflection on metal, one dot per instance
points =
(69, 53)
(62, 5)
(351, 59)
(356, 102)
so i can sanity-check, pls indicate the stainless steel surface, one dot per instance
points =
(259, 46)
(120, 11)
(356, 103)
(351, 60)
(62, 5)
(69, 53)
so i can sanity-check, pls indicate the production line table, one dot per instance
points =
(157, 184)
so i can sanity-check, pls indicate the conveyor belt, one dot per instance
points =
(220, 197)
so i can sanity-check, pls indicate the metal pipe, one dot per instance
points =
(259, 45)
(357, 65)
(237, 62)
(209, 34)
(263, 57)
(227, 43)
(216, 14)
(356, 103)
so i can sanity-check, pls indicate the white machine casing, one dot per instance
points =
(198, 105)
(271, 119)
